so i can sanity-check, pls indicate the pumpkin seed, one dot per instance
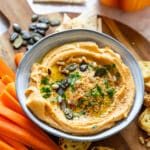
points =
(34, 17)
(68, 113)
(32, 26)
(72, 67)
(60, 91)
(18, 42)
(43, 26)
(25, 42)
(100, 72)
(60, 99)
(43, 20)
(54, 22)
(13, 36)
(16, 27)
(36, 37)
(83, 67)
(25, 35)
(63, 105)
(40, 31)
(31, 41)
(55, 86)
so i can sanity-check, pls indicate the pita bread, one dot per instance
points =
(147, 99)
(145, 67)
(144, 120)
(62, 1)
(66, 144)
(147, 86)
(87, 20)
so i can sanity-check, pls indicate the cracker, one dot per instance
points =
(62, 1)
(144, 120)
(66, 144)
(145, 67)
(147, 99)
(87, 20)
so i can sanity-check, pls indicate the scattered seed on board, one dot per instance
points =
(43, 20)
(31, 41)
(18, 42)
(24, 43)
(32, 26)
(25, 35)
(54, 22)
(43, 26)
(16, 27)
(40, 31)
(34, 17)
(13, 36)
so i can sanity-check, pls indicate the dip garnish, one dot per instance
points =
(80, 88)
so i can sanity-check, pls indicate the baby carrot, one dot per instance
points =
(5, 146)
(7, 128)
(7, 79)
(13, 143)
(5, 70)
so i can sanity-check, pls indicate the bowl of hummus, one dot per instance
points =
(80, 84)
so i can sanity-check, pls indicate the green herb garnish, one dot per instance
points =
(106, 82)
(73, 78)
(111, 92)
(80, 102)
(94, 126)
(45, 90)
(100, 90)
(113, 66)
(46, 95)
(100, 72)
(45, 81)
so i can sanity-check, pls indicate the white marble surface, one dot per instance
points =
(140, 20)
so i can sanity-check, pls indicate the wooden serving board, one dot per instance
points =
(19, 12)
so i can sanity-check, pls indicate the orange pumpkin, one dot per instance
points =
(133, 5)
(127, 5)
(111, 3)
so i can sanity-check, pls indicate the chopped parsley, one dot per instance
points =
(45, 90)
(46, 95)
(80, 102)
(110, 92)
(94, 126)
(106, 82)
(45, 81)
(100, 71)
(73, 78)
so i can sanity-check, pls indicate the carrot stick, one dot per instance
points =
(25, 124)
(18, 57)
(7, 128)
(13, 143)
(10, 88)
(10, 102)
(7, 79)
(2, 86)
(5, 70)
(5, 146)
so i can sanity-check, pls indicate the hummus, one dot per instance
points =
(80, 88)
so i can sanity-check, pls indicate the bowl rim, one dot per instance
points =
(99, 136)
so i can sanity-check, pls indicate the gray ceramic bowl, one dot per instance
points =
(54, 40)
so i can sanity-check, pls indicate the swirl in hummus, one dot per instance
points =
(80, 88)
